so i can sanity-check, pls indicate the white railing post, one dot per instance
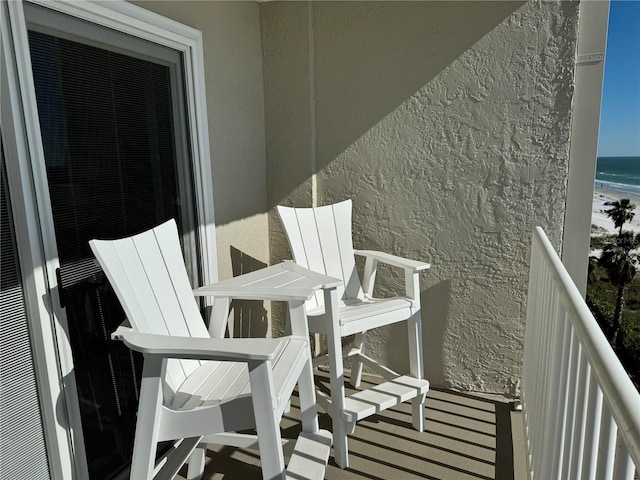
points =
(607, 445)
(580, 418)
(558, 428)
(577, 398)
(568, 451)
(594, 412)
(623, 466)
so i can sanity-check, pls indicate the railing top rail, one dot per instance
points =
(619, 392)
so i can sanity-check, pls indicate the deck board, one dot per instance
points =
(468, 436)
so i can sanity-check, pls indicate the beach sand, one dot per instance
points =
(600, 219)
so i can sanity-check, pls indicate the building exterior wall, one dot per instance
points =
(448, 125)
(235, 105)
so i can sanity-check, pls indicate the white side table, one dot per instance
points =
(295, 285)
(285, 281)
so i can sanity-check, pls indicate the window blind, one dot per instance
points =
(22, 446)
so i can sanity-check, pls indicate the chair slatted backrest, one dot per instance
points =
(320, 240)
(148, 275)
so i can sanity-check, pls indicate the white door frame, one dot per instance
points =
(32, 209)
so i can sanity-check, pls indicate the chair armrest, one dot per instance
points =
(394, 260)
(121, 330)
(411, 270)
(223, 349)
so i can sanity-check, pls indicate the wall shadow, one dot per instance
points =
(434, 302)
(435, 314)
(372, 57)
(368, 59)
(249, 316)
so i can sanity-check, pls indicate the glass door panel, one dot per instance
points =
(113, 135)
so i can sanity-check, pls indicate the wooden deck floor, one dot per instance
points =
(467, 437)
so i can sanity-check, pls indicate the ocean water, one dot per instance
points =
(620, 174)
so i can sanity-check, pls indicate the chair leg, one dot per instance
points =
(356, 368)
(196, 462)
(340, 444)
(336, 376)
(307, 392)
(307, 389)
(147, 425)
(267, 421)
(418, 412)
(414, 326)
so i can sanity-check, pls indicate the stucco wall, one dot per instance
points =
(235, 105)
(448, 124)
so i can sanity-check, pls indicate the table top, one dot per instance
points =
(285, 281)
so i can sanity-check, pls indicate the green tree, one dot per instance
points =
(621, 212)
(620, 260)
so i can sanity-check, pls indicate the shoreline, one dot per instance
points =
(600, 219)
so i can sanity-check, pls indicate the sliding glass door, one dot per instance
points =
(113, 126)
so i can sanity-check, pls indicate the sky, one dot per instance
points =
(620, 112)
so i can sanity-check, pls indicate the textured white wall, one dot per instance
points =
(448, 124)
(235, 105)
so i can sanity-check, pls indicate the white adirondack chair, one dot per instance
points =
(196, 387)
(320, 240)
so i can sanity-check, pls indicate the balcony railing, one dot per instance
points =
(581, 410)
